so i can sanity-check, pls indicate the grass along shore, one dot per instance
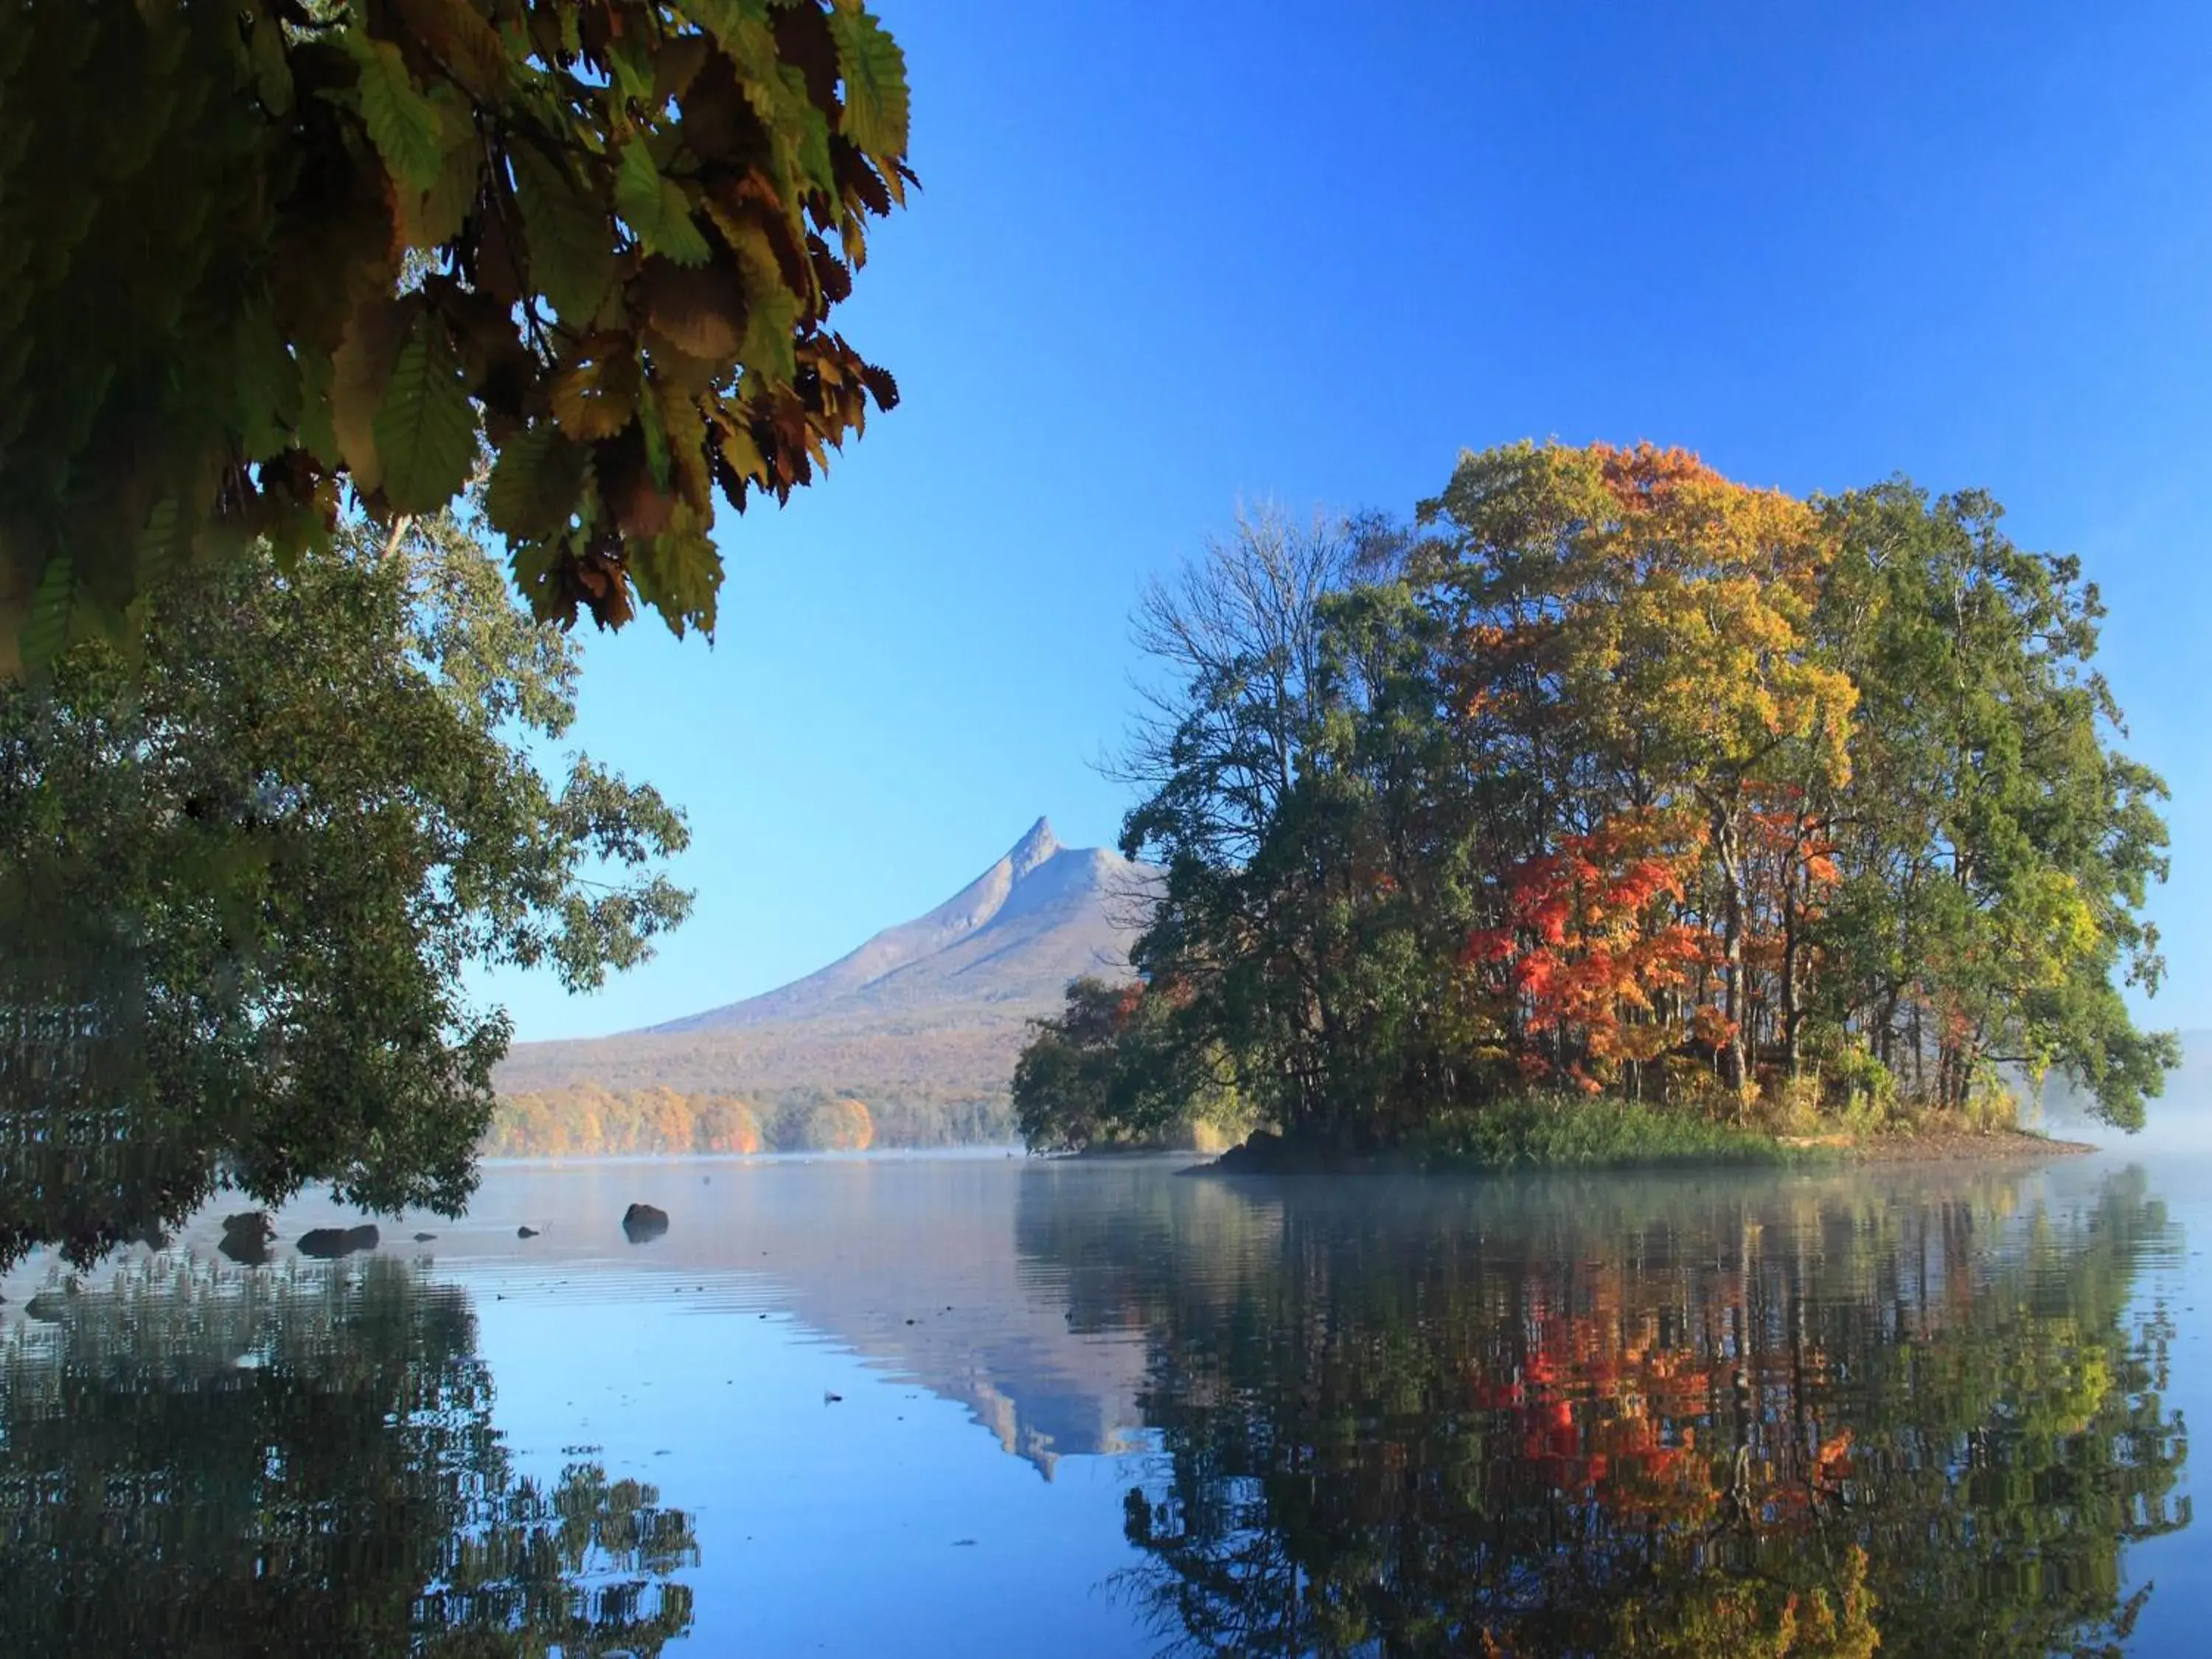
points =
(1571, 1132)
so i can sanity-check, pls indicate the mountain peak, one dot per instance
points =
(1033, 849)
(1012, 937)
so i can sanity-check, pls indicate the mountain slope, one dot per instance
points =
(932, 1009)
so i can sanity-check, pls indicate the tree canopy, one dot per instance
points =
(1109, 1070)
(255, 256)
(1614, 775)
(248, 870)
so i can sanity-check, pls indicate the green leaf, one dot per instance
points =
(426, 433)
(685, 428)
(656, 209)
(47, 630)
(732, 23)
(402, 122)
(745, 36)
(536, 484)
(679, 575)
(571, 255)
(656, 439)
(810, 151)
(771, 309)
(272, 74)
(162, 544)
(768, 349)
(265, 382)
(318, 433)
(874, 71)
(632, 69)
(435, 218)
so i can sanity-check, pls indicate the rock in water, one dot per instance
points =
(641, 1222)
(246, 1235)
(526, 1232)
(328, 1243)
(46, 1306)
(424, 1238)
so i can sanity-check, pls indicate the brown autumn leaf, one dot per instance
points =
(699, 309)
(594, 394)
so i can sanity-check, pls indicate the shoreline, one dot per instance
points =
(1954, 1146)
(1932, 1147)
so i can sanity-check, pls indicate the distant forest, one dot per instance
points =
(588, 1120)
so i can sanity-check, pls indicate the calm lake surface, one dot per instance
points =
(984, 1405)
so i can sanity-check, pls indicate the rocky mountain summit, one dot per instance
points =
(1018, 932)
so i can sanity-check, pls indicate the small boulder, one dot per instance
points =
(328, 1243)
(247, 1238)
(642, 1221)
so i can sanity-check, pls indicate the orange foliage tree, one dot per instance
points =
(1633, 634)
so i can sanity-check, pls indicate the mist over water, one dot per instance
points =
(962, 1404)
(2178, 1122)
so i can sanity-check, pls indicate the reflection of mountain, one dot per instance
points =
(1661, 1417)
(202, 1460)
(936, 1005)
(910, 1261)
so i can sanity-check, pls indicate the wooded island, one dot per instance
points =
(1617, 805)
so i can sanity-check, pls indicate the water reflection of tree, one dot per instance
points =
(191, 1464)
(1655, 1419)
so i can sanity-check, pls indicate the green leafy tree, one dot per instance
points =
(247, 872)
(1998, 849)
(1112, 1068)
(1281, 800)
(253, 255)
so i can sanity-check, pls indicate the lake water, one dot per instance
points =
(985, 1405)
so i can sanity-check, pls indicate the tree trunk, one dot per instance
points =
(1791, 1017)
(1919, 1057)
(1731, 862)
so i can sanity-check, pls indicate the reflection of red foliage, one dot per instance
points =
(1831, 1465)
(1595, 1408)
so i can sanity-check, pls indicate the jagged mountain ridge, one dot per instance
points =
(933, 1007)
(1036, 919)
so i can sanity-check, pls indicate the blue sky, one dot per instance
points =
(1170, 257)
